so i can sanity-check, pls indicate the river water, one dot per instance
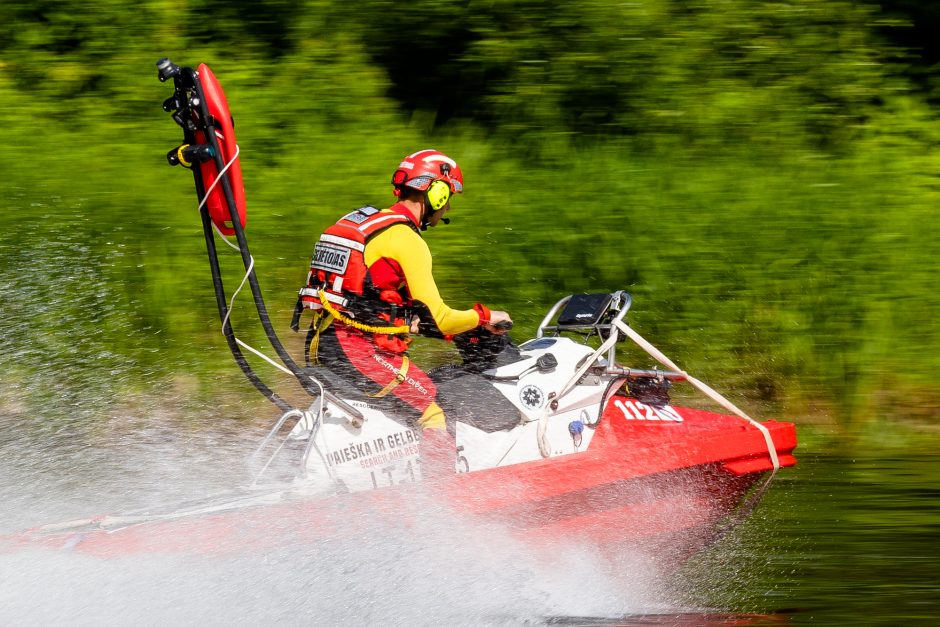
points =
(857, 540)
(91, 425)
(837, 540)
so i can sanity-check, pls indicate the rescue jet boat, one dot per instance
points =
(554, 438)
(597, 453)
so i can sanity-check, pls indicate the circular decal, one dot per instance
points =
(531, 397)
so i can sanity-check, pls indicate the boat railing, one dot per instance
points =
(593, 315)
(603, 316)
(314, 417)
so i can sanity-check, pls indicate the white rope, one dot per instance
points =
(251, 265)
(228, 314)
(205, 198)
(545, 448)
(231, 302)
(219, 177)
(705, 389)
(264, 357)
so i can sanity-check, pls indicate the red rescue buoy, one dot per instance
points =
(225, 135)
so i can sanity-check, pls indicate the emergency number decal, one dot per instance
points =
(329, 257)
(635, 410)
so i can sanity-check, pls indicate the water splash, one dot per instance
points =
(85, 430)
(429, 567)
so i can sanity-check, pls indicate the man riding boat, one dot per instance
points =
(371, 288)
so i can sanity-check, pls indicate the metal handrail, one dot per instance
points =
(299, 415)
(620, 299)
(633, 373)
(543, 326)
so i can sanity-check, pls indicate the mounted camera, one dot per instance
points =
(166, 69)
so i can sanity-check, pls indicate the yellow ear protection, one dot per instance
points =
(438, 194)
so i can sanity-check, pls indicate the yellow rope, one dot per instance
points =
(333, 311)
(399, 377)
(314, 348)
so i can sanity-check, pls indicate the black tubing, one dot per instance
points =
(222, 303)
(183, 81)
(269, 331)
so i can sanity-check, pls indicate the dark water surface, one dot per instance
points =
(103, 409)
(838, 540)
(860, 540)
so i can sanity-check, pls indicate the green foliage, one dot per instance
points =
(752, 172)
(735, 70)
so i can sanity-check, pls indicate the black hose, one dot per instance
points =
(305, 381)
(184, 80)
(222, 303)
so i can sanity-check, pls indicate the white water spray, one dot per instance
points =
(430, 568)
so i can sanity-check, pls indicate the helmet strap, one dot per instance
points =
(426, 212)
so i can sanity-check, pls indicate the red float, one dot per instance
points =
(224, 126)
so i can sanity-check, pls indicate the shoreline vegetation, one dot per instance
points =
(762, 179)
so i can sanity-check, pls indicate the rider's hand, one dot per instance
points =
(498, 319)
(414, 325)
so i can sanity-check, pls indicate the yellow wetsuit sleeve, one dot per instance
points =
(401, 243)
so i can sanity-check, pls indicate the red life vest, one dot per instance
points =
(338, 266)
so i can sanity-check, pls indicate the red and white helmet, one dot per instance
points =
(422, 168)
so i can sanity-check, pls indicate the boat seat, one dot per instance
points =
(466, 397)
(472, 399)
(344, 388)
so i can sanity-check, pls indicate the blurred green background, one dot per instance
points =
(761, 176)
